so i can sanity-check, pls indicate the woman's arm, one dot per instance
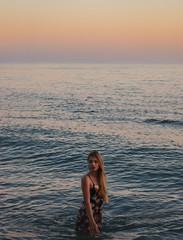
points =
(85, 184)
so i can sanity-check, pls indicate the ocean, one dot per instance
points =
(53, 115)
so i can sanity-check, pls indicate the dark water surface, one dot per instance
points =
(53, 115)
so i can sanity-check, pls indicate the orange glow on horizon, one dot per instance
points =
(57, 27)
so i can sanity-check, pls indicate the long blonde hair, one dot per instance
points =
(101, 174)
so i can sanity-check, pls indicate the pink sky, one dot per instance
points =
(91, 31)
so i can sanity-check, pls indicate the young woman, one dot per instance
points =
(94, 190)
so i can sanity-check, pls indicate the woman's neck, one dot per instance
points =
(93, 174)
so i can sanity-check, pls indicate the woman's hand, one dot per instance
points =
(93, 229)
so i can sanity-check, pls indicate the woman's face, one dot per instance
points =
(93, 164)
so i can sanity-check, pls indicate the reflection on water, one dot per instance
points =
(53, 115)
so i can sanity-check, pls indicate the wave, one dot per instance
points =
(164, 122)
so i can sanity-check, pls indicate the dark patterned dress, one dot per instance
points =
(82, 221)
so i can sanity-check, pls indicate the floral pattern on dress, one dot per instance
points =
(96, 201)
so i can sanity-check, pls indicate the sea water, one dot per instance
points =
(53, 115)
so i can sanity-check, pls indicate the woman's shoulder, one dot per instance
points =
(85, 177)
(85, 180)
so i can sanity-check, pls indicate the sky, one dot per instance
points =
(104, 31)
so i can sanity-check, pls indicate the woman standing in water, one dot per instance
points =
(94, 190)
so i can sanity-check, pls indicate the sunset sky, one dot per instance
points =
(127, 31)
